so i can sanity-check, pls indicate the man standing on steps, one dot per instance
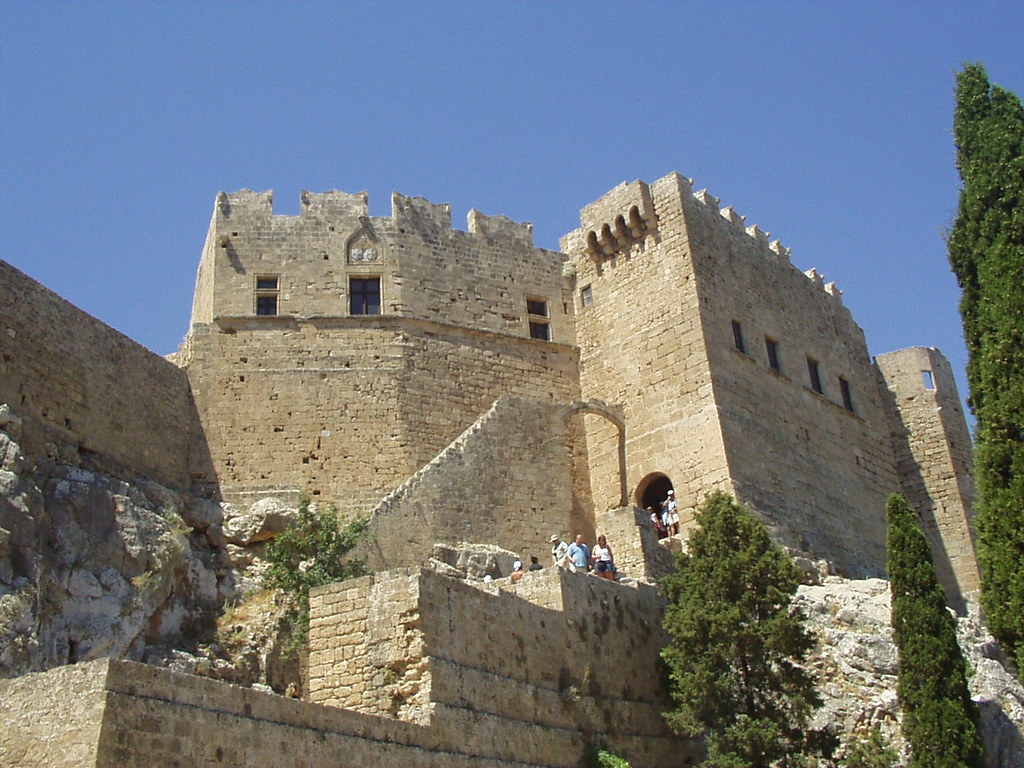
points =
(579, 555)
(559, 549)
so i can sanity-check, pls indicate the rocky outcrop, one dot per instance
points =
(92, 566)
(855, 664)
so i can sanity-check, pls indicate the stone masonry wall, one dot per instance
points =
(479, 279)
(561, 661)
(90, 396)
(935, 460)
(148, 717)
(345, 409)
(642, 345)
(52, 719)
(818, 466)
(313, 400)
(484, 488)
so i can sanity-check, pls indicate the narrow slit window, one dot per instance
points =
(928, 379)
(772, 348)
(814, 373)
(844, 388)
(737, 336)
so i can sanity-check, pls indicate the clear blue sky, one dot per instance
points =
(827, 124)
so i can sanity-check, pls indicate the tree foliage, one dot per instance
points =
(738, 643)
(986, 251)
(311, 552)
(939, 717)
(871, 752)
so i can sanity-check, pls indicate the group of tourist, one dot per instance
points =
(578, 557)
(517, 567)
(666, 517)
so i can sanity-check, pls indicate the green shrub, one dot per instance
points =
(312, 551)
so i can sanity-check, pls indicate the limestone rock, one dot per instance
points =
(475, 561)
(92, 566)
(263, 520)
(855, 664)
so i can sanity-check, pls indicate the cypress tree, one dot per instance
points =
(737, 643)
(986, 251)
(939, 717)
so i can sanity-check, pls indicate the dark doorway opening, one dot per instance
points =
(653, 490)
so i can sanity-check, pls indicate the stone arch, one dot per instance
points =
(651, 491)
(615, 415)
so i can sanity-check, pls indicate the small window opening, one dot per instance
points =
(540, 331)
(773, 354)
(266, 294)
(815, 375)
(537, 309)
(364, 296)
(586, 296)
(737, 336)
(844, 388)
(929, 381)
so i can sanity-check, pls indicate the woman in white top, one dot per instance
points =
(602, 557)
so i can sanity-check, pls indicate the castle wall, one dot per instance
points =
(345, 409)
(479, 279)
(347, 406)
(52, 719)
(934, 460)
(89, 395)
(642, 346)
(559, 660)
(485, 488)
(818, 465)
(146, 717)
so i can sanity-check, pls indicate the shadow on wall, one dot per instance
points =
(915, 490)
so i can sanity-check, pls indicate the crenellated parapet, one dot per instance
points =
(773, 250)
(499, 227)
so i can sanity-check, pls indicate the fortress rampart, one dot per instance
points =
(90, 396)
(560, 660)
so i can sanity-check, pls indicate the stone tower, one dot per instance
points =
(735, 370)
(934, 460)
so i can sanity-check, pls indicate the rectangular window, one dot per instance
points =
(266, 294)
(844, 388)
(540, 331)
(815, 374)
(586, 296)
(773, 354)
(737, 336)
(926, 378)
(537, 309)
(364, 296)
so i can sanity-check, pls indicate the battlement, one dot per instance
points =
(773, 250)
(247, 204)
(256, 209)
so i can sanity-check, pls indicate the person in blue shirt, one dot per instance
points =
(579, 554)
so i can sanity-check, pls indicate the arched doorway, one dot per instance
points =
(652, 490)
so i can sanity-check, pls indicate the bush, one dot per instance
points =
(311, 552)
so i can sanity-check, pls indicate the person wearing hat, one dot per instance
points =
(517, 570)
(559, 550)
(670, 513)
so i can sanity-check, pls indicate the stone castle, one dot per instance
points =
(468, 387)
